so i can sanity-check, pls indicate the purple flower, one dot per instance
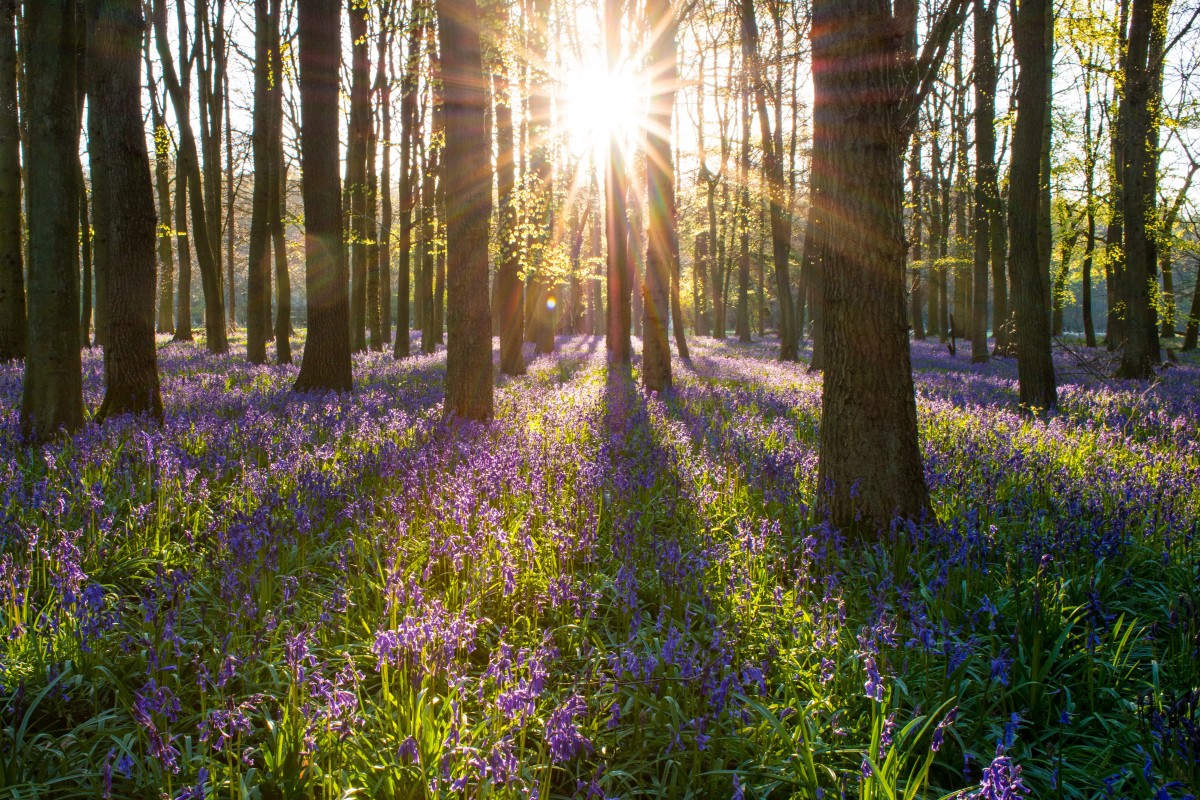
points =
(874, 682)
(1001, 780)
(562, 734)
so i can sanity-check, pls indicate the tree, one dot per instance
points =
(203, 214)
(278, 192)
(510, 297)
(781, 220)
(12, 264)
(326, 364)
(258, 268)
(52, 393)
(867, 85)
(409, 133)
(468, 210)
(124, 208)
(162, 187)
(619, 314)
(660, 190)
(986, 189)
(1030, 276)
(356, 170)
(1141, 352)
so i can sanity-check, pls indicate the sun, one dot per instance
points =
(600, 106)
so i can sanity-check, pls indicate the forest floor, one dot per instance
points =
(600, 594)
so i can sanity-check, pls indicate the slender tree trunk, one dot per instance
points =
(742, 324)
(1193, 323)
(660, 199)
(85, 260)
(125, 222)
(210, 275)
(258, 269)
(869, 465)
(408, 137)
(985, 170)
(781, 222)
(371, 223)
(468, 190)
(1141, 352)
(277, 198)
(356, 170)
(12, 263)
(619, 314)
(1035, 367)
(52, 391)
(1058, 296)
(510, 300)
(383, 84)
(917, 288)
(162, 179)
(326, 364)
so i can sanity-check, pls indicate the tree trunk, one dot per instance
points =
(742, 323)
(510, 300)
(1193, 323)
(124, 208)
(660, 199)
(85, 252)
(617, 340)
(781, 222)
(1035, 367)
(12, 264)
(162, 179)
(371, 223)
(1059, 292)
(916, 287)
(326, 364)
(985, 170)
(277, 199)
(408, 136)
(202, 239)
(383, 84)
(1141, 352)
(468, 211)
(869, 465)
(52, 391)
(258, 268)
(356, 170)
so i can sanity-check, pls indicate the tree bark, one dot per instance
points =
(12, 263)
(326, 364)
(660, 197)
(986, 187)
(1035, 366)
(510, 300)
(202, 239)
(258, 268)
(1141, 353)
(124, 208)
(356, 170)
(468, 210)
(781, 222)
(409, 132)
(52, 392)
(869, 465)
(618, 316)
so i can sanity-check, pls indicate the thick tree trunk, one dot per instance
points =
(326, 364)
(468, 211)
(52, 392)
(124, 208)
(12, 264)
(617, 339)
(660, 199)
(1035, 366)
(870, 461)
